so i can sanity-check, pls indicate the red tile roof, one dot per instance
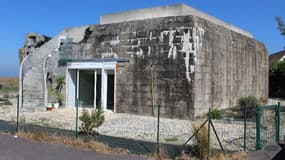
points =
(276, 56)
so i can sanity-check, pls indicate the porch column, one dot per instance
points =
(95, 88)
(104, 89)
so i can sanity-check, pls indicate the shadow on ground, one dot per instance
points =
(134, 146)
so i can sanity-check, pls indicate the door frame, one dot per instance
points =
(71, 87)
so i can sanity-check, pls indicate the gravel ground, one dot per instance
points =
(137, 127)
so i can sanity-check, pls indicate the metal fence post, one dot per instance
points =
(244, 130)
(258, 116)
(76, 121)
(76, 102)
(209, 132)
(215, 132)
(152, 89)
(157, 133)
(277, 122)
(17, 127)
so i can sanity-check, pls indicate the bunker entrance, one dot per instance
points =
(86, 89)
(92, 88)
(110, 89)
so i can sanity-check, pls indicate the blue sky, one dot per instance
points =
(49, 17)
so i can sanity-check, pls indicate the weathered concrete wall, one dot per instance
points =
(229, 66)
(32, 41)
(36, 50)
(158, 43)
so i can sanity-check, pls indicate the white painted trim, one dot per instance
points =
(91, 65)
(67, 97)
(21, 86)
(115, 88)
(70, 88)
(104, 84)
(45, 80)
(103, 66)
(95, 89)
(77, 86)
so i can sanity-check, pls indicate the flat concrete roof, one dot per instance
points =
(166, 11)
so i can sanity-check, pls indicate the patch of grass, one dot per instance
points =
(73, 142)
(45, 122)
(9, 84)
(162, 155)
(5, 101)
(249, 103)
(184, 156)
(8, 103)
(8, 89)
(171, 139)
(230, 113)
(219, 156)
(9, 81)
(238, 155)
(201, 141)
(215, 114)
(223, 113)
(216, 156)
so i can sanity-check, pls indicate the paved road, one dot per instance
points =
(20, 149)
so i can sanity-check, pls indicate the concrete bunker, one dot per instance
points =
(198, 62)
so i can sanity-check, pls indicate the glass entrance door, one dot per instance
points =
(91, 87)
(86, 89)
(110, 89)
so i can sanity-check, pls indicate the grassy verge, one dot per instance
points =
(72, 142)
(9, 85)
(102, 148)
(217, 156)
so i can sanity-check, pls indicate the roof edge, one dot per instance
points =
(166, 11)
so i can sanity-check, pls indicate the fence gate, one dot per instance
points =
(267, 124)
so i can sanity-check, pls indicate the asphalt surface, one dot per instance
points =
(20, 149)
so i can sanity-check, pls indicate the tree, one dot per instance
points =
(277, 79)
(277, 68)
(281, 25)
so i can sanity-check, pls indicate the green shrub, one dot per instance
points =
(6, 101)
(60, 81)
(60, 98)
(249, 103)
(216, 114)
(277, 68)
(90, 121)
(9, 103)
(55, 92)
(276, 79)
